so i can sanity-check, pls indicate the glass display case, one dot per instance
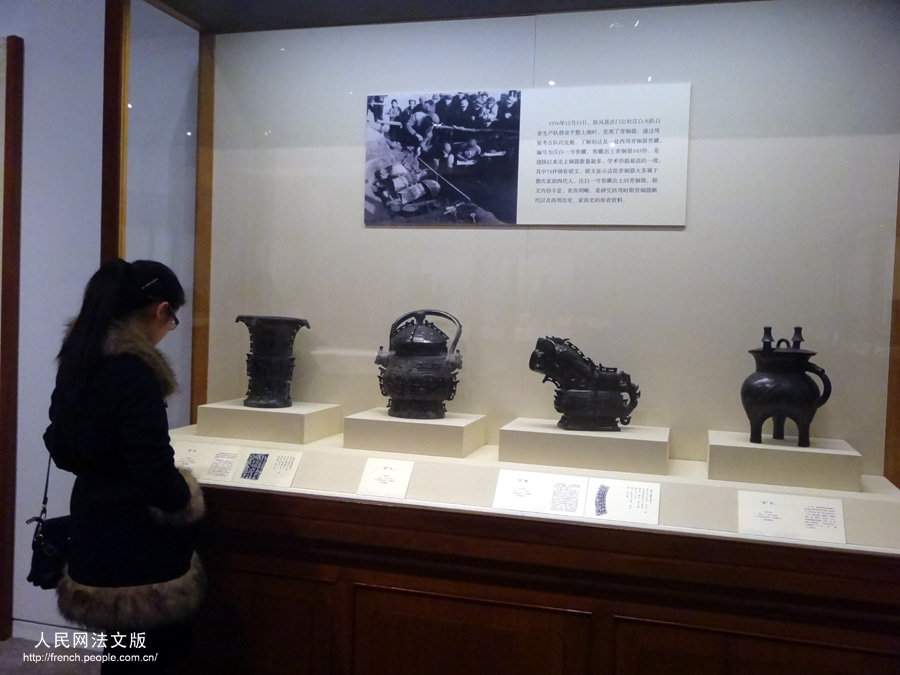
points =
(790, 219)
(674, 543)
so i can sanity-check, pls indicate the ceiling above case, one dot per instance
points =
(241, 16)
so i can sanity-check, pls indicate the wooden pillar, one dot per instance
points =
(203, 223)
(892, 430)
(10, 228)
(115, 129)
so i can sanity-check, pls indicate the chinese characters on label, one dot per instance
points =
(606, 498)
(238, 464)
(639, 498)
(791, 516)
(604, 155)
(222, 466)
(385, 478)
(598, 161)
(566, 497)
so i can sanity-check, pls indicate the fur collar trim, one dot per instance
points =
(123, 338)
(132, 607)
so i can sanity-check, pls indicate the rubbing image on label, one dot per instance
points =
(254, 466)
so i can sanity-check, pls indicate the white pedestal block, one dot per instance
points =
(301, 423)
(633, 449)
(456, 435)
(828, 464)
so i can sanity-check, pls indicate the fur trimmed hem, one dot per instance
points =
(190, 514)
(125, 608)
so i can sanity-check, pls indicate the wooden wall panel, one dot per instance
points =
(401, 633)
(265, 624)
(751, 656)
(322, 585)
(565, 556)
(665, 650)
(661, 649)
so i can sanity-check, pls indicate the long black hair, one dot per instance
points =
(116, 291)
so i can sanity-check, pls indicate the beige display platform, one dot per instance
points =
(828, 464)
(633, 449)
(688, 500)
(456, 435)
(301, 423)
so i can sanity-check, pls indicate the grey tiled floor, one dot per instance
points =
(12, 661)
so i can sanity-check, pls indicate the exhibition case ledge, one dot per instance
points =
(682, 496)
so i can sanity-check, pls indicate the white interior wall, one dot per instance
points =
(61, 158)
(160, 175)
(791, 212)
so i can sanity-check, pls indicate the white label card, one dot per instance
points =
(623, 500)
(540, 492)
(791, 517)
(190, 457)
(385, 478)
(205, 461)
(222, 466)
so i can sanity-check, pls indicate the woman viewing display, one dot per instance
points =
(132, 570)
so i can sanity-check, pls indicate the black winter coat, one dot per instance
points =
(131, 564)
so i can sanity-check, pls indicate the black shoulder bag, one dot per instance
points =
(49, 546)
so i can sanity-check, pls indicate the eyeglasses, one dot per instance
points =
(175, 320)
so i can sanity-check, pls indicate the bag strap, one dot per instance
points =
(46, 486)
(43, 517)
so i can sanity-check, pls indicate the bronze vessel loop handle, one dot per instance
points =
(419, 316)
(634, 394)
(826, 389)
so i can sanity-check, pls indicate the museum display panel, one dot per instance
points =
(690, 538)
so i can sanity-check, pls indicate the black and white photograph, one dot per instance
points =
(443, 159)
